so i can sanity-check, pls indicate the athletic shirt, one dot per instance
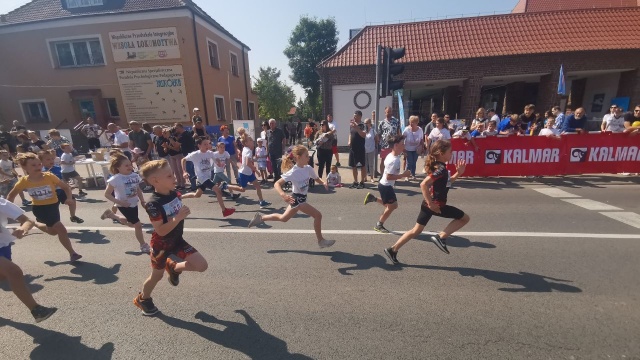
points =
(66, 168)
(440, 187)
(55, 170)
(162, 208)
(391, 166)
(220, 161)
(299, 178)
(43, 191)
(201, 164)
(8, 210)
(246, 157)
(125, 187)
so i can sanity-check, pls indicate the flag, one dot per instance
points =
(400, 109)
(562, 88)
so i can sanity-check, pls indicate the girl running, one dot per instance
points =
(248, 169)
(123, 189)
(298, 174)
(434, 190)
(41, 186)
(48, 158)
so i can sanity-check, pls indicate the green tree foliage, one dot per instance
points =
(311, 41)
(274, 96)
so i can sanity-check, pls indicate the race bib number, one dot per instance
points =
(41, 192)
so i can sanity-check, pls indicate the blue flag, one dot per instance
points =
(562, 88)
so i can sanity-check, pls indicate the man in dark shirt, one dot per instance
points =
(356, 152)
(198, 129)
(275, 143)
(187, 145)
(138, 138)
(5, 140)
(528, 117)
(159, 141)
(576, 123)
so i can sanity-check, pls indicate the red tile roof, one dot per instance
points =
(497, 35)
(556, 5)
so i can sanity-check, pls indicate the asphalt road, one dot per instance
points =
(532, 276)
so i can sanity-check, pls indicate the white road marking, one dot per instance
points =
(372, 232)
(591, 204)
(627, 217)
(555, 192)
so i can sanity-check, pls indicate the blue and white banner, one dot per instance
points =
(400, 109)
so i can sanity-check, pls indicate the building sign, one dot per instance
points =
(154, 94)
(145, 44)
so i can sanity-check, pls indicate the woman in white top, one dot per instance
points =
(413, 140)
(370, 142)
(480, 119)
(439, 133)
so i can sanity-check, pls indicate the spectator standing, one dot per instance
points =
(119, 139)
(510, 125)
(608, 116)
(413, 142)
(549, 128)
(56, 140)
(187, 146)
(480, 118)
(430, 126)
(388, 127)
(196, 115)
(160, 143)
(93, 132)
(324, 143)
(17, 128)
(298, 130)
(491, 114)
(536, 125)
(615, 122)
(492, 129)
(275, 146)
(439, 133)
(285, 129)
(37, 144)
(334, 129)
(527, 117)
(559, 117)
(576, 123)
(5, 140)
(370, 148)
(230, 147)
(138, 138)
(357, 151)
(173, 149)
(632, 121)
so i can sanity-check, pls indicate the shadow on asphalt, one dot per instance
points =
(136, 253)
(28, 279)
(90, 200)
(528, 282)
(56, 345)
(458, 242)
(87, 271)
(248, 338)
(89, 237)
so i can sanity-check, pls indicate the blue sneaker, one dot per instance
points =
(223, 185)
(264, 204)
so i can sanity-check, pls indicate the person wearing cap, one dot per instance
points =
(196, 115)
(138, 138)
(357, 157)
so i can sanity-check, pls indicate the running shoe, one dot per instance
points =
(228, 211)
(106, 214)
(145, 248)
(338, 164)
(223, 185)
(76, 219)
(26, 202)
(41, 313)
(264, 204)
(235, 196)
(257, 219)
(381, 229)
(75, 257)
(174, 276)
(324, 243)
(146, 305)
(392, 255)
(369, 198)
(82, 193)
(360, 185)
(354, 185)
(440, 243)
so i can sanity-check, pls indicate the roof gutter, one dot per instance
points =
(195, 37)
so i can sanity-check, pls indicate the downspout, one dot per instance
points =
(204, 98)
(246, 87)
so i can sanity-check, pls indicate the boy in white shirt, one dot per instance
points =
(220, 158)
(492, 129)
(549, 130)
(391, 173)
(69, 169)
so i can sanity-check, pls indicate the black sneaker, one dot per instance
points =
(392, 255)
(440, 243)
(146, 305)
(41, 313)
(360, 185)
(174, 276)
(369, 198)
(235, 196)
(381, 229)
(354, 185)
(76, 219)
(82, 193)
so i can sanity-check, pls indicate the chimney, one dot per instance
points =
(354, 32)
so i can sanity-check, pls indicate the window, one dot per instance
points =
(252, 110)
(75, 53)
(214, 61)
(35, 111)
(112, 105)
(234, 64)
(220, 108)
(239, 110)
(74, 4)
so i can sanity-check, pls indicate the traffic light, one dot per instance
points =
(389, 70)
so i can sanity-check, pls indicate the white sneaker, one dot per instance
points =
(324, 243)
(257, 219)
(145, 248)
(106, 214)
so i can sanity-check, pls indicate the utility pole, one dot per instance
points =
(378, 93)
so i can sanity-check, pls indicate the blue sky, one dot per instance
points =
(265, 26)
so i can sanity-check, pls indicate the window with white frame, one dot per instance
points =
(214, 60)
(78, 52)
(35, 111)
(220, 108)
(234, 64)
(112, 105)
(239, 109)
(74, 4)
(252, 110)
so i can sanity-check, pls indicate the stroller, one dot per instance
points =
(312, 163)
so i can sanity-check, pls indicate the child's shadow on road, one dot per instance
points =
(89, 237)
(28, 279)
(87, 271)
(458, 242)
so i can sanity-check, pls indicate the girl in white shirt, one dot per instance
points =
(439, 133)
(296, 169)
(123, 189)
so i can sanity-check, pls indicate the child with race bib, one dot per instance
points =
(220, 159)
(248, 169)
(48, 158)
(296, 169)
(41, 186)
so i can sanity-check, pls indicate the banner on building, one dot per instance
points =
(249, 126)
(145, 44)
(154, 94)
(540, 155)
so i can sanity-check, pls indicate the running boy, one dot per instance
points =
(220, 158)
(247, 171)
(123, 189)
(296, 169)
(261, 159)
(48, 164)
(434, 190)
(9, 177)
(69, 169)
(167, 214)
(391, 173)
(10, 271)
(201, 160)
(42, 188)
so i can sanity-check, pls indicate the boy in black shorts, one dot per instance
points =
(167, 214)
(391, 173)
(356, 152)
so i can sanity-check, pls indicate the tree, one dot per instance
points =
(274, 96)
(311, 41)
(306, 111)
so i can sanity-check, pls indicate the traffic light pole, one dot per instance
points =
(378, 91)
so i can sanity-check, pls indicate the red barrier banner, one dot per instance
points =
(540, 155)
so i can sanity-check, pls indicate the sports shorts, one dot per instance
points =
(446, 211)
(162, 249)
